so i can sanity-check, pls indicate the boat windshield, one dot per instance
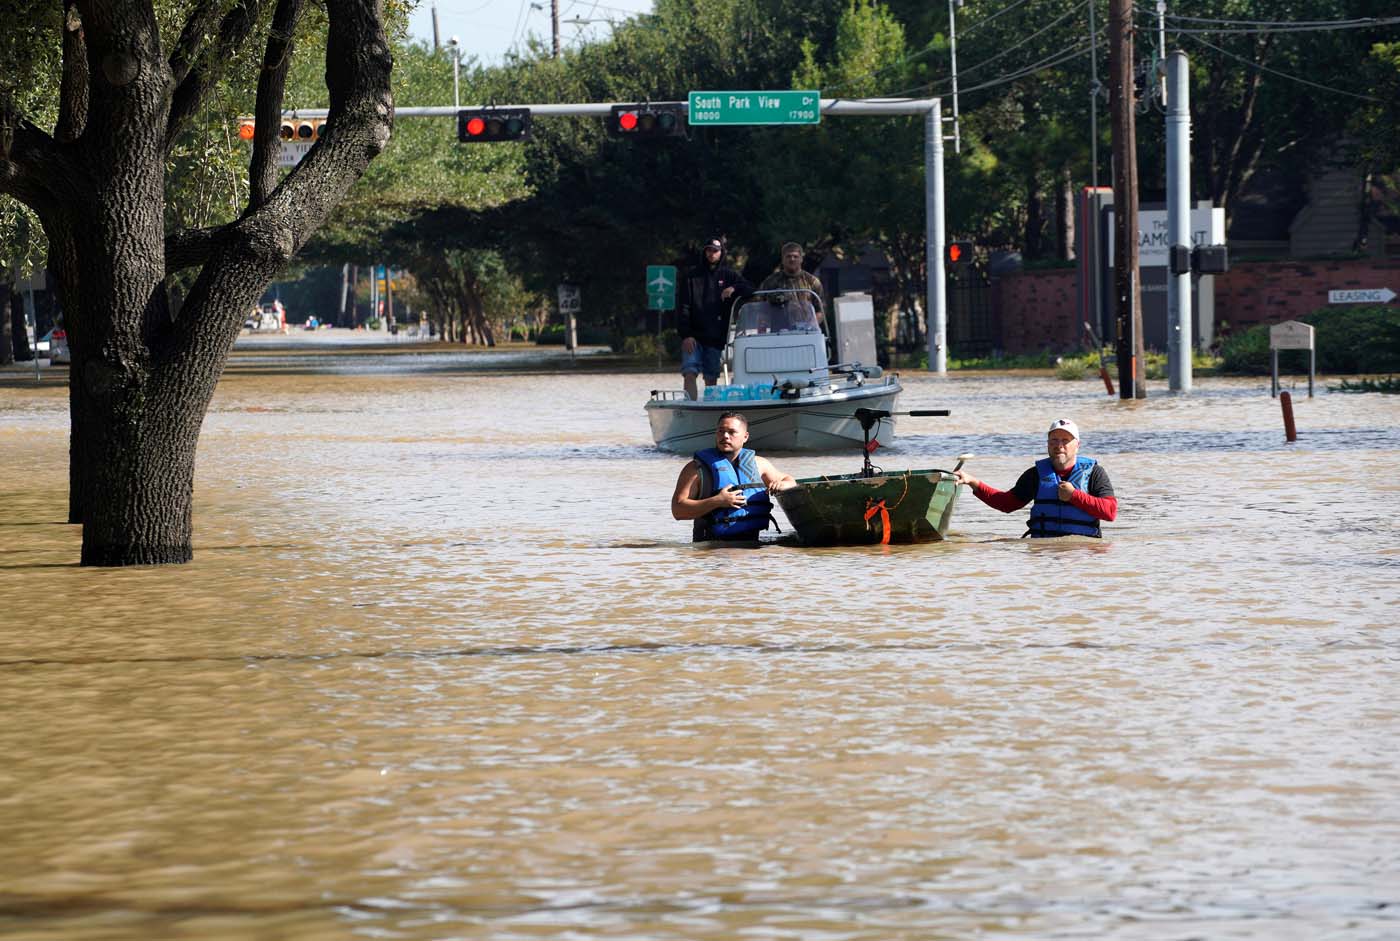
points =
(779, 312)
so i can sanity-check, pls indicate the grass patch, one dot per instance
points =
(1389, 385)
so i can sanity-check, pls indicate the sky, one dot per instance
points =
(489, 29)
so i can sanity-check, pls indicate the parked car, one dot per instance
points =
(54, 345)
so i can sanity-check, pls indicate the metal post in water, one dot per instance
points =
(936, 288)
(1290, 431)
(1178, 222)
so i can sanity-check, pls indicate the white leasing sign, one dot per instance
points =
(1207, 228)
(1361, 296)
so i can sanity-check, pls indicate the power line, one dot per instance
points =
(947, 81)
(1284, 29)
(1048, 26)
(1294, 78)
(987, 19)
(1049, 62)
(1333, 24)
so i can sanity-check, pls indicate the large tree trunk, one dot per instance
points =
(1064, 216)
(1034, 236)
(7, 340)
(143, 372)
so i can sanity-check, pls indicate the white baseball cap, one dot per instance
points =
(1064, 424)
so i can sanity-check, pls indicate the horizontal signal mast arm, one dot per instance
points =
(832, 106)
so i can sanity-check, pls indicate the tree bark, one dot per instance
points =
(7, 339)
(143, 373)
(1064, 216)
(1127, 297)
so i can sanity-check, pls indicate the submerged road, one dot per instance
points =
(444, 666)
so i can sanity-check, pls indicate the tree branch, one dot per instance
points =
(73, 88)
(360, 120)
(191, 248)
(267, 112)
(195, 66)
(279, 221)
(29, 163)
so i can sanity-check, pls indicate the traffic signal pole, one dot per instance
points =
(934, 234)
(936, 288)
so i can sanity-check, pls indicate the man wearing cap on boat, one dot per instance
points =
(1071, 494)
(790, 275)
(709, 289)
(712, 491)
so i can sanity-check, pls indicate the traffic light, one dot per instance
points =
(490, 125)
(301, 131)
(958, 254)
(648, 121)
(298, 130)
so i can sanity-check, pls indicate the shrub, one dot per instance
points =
(643, 346)
(1348, 340)
(553, 335)
(1071, 369)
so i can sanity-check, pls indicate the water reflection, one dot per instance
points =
(444, 667)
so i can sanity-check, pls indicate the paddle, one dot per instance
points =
(962, 459)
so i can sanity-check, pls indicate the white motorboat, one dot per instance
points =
(775, 371)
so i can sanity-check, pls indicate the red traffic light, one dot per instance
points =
(654, 120)
(958, 253)
(954, 252)
(493, 124)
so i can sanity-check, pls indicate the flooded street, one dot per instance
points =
(444, 667)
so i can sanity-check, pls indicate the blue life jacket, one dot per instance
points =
(1050, 516)
(718, 472)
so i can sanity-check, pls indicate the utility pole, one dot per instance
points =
(954, 5)
(1127, 298)
(554, 23)
(1093, 100)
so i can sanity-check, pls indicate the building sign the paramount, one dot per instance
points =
(1207, 228)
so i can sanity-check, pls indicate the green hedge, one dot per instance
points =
(553, 335)
(1348, 340)
(643, 346)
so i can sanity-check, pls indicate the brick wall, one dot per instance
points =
(1274, 291)
(1036, 309)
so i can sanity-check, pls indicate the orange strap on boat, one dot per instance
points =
(884, 520)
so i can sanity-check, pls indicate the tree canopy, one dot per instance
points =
(572, 204)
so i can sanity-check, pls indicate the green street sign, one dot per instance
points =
(661, 287)
(755, 107)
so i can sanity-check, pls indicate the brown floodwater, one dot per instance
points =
(444, 667)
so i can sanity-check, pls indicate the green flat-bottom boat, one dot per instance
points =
(873, 507)
(852, 509)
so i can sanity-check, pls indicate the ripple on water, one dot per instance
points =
(444, 666)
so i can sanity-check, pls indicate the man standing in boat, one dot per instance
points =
(1071, 494)
(790, 275)
(705, 298)
(711, 488)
